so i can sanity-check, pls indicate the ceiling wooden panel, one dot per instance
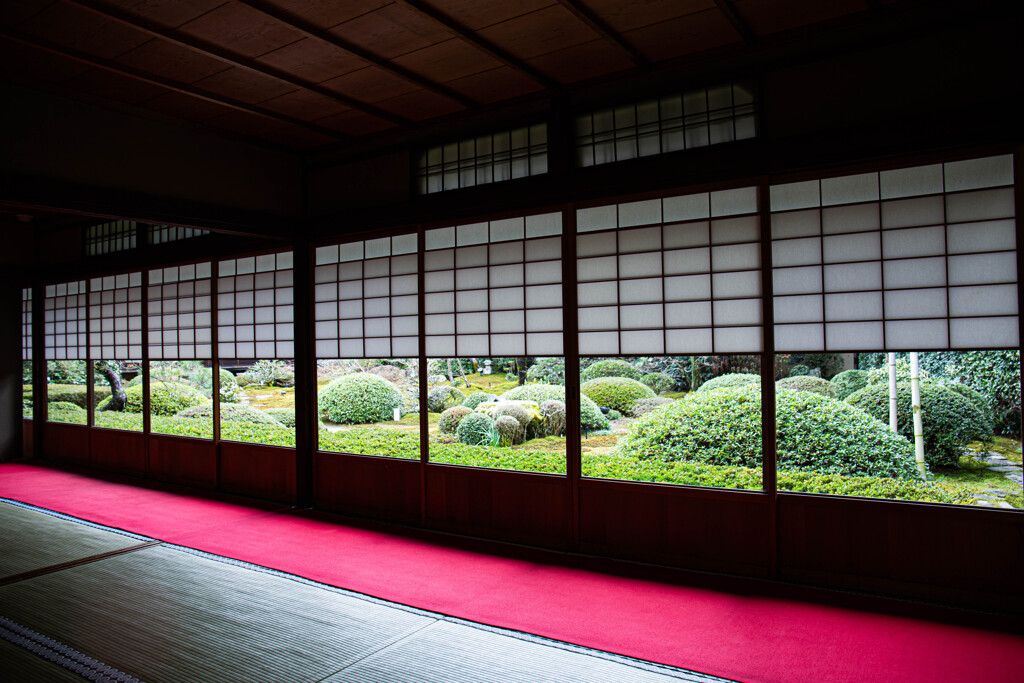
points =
(172, 61)
(495, 85)
(370, 85)
(170, 13)
(27, 63)
(294, 136)
(241, 30)
(581, 62)
(685, 35)
(14, 12)
(303, 104)
(768, 16)
(114, 86)
(420, 105)
(245, 86)
(354, 122)
(183, 106)
(540, 32)
(313, 60)
(476, 15)
(243, 122)
(327, 13)
(82, 30)
(391, 31)
(626, 16)
(447, 61)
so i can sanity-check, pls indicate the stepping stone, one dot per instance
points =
(1017, 479)
(1004, 504)
(982, 496)
(996, 456)
(996, 492)
(985, 504)
(1005, 468)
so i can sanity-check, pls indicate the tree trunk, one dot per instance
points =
(118, 399)
(915, 393)
(450, 375)
(521, 370)
(893, 411)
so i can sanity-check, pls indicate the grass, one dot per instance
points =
(269, 397)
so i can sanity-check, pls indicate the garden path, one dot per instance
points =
(1013, 473)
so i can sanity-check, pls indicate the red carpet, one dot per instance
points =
(740, 637)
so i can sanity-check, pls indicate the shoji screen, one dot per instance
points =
(494, 288)
(180, 312)
(66, 321)
(26, 323)
(916, 258)
(115, 316)
(366, 299)
(678, 275)
(255, 312)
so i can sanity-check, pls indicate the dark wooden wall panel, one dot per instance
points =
(27, 447)
(725, 531)
(512, 506)
(259, 471)
(118, 451)
(184, 461)
(964, 555)
(66, 443)
(383, 488)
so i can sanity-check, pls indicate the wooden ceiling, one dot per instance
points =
(307, 73)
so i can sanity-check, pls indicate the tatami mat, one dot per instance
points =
(31, 540)
(23, 666)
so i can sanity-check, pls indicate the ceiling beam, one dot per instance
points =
(311, 31)
(602, 29)
(726, 8)
(211, 50)
(482, 44)
(124, 70)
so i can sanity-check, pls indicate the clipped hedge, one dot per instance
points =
(815, 434)
(285, 416)
(476, 429)
(591, 418)
(729, 381)
(165, 398)
(950, 420)
(647, 405)
(659, 382)
(231, 412)
(443, 397)
(475, 399)
(815, 385)
(451, 417)
(359, 398)
(74, 393)
(610, 368)
(617, 393)
(230, 392)
(849, 381)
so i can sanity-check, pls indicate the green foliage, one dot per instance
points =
(58, 406)
(475, 399)
(729, 381)
(849, 381)
(547, 371)
(285, 416)
(66, 412)
(616, 393)
(659, 382)
(508, 429)
(359, 398)
(202, 379)
(73, 393)
(372, 441)
(611, 367)
(827, 364)
(815, 434)
(950, 420)
(613, 415)
(591, 419)
(451, 417)
(230, 412)
(443, 397)
(975, 397)
(165, 398)
(268, 373)
(476, 429)
(66, 372)
(816, 385)
(881, 375)
(799, 370)
(523, 414)
(647, 405)
(552, 415)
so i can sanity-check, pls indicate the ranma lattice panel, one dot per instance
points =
(115, 317)
(65, 321)
(181, 312)
(255, 307)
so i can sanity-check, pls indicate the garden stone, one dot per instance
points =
(996, 492)
(1017, 479)
(1005, 468)
(982, 496)
(1004, 504)
(985, 504)
(996, 456)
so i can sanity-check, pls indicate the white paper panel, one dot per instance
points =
(802, 280)
(903, 213)
(474, 299)
(504, 276)
(647, 316)
(640, 265)
(510, 252)
(544, 249)
(736, 285)
(472, 278)
(737, 312)
(736, 257)
(863, 246)
(796, 252)
(682, 261)
(597, 268)
(916, 303)
(988, 236)
(468, 257)
(688, 314)
(647, 212)
(847, 219)
(801, 195)
(987, 300)
(978, 173)
(404, 347)
(799, 338)
(913, 242)
(438, 260)
(476, 323)
(798, 309)
(916, 334)
(911, 182)
(906, 273)
(544, 224)
(508, 344)
(543, 272)
(737, 339)
(544, 320)
(733, 230)
(599, 244)
(686, 235)
(597, 218)
(648, 342)
(687, 207)
(440, 347)
(688, 341)
(544, 344)
(646, 290)
(991, 333)
(508, 229)
(976, 269)
(732, 202)
(639, 240)
(687, 287)
(508, 297)
(442, 323)
(599, 343)
(980, 205)
(853, 336)
(796, 224)
(849, 189)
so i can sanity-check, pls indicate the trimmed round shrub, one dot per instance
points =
(815, 385)
(476, 429)
(509, 431)
(268, 373)
(391, 373)
(975, 397)
(610, 368)
(230, 392)
(815, 434)
(729, 381)
(552, 415)
(64, 406)
(659, 382)
(799, 370)
(881, 375)
(647, 405)
(949, 419)
(231, 412)
(359, 398)
(547, 371)
(451, 417)
(591, 418)
(74, 393)
(443, 397)
(849, 381)
(513, 409)
(165, 398)
(285, 416)
(475, 399)
(617, 393)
